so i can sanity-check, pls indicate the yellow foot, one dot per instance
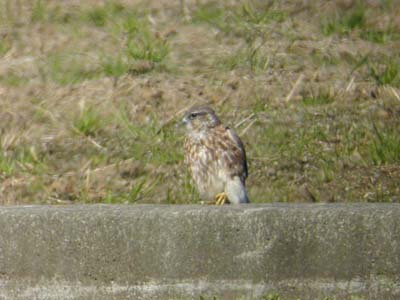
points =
(221, 199)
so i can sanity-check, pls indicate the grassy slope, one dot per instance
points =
(89, 94)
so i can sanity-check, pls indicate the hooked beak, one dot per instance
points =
(181, 123)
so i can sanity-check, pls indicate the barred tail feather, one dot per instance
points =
(236, 191)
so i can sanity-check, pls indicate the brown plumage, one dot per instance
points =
(215, 156)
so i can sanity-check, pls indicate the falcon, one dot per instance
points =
(215, 156)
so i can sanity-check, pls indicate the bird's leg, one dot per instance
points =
(221, 199)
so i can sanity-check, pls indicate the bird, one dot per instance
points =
(215, 156)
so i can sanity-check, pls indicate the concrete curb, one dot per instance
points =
(191, 252)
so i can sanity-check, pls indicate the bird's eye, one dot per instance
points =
(192, 116)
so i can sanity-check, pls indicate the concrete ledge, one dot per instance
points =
(185, 252)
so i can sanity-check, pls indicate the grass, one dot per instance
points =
(385, 146)
(21, 160)
(88, 123)
(386, 73)
(347, 21)
(146, 47)
(5, 46)
(92, 93)
(321, 98)
(114, 66)
(248, 20)
(67, 69)
(98, 16)
(380, 36)
(141, 189)
(39, 12)
(141, 51)
(12, 79)
(209, 13)
(101, 15)
(383, 70)
(251, 58)
(257, 15)
(6, 165)
(272, 296)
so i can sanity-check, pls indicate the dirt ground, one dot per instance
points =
(90, 94)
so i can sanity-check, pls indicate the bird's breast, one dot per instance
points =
(202, 161)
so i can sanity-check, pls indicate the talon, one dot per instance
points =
(221, 199)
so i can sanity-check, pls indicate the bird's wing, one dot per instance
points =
(238, 153)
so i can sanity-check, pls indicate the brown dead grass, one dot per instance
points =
(297, 152)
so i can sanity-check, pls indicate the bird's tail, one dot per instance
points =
(236, 191)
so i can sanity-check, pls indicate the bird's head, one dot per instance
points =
(200, 118)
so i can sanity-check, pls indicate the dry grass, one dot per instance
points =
(89, 94)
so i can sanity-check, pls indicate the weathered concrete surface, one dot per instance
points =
(184, 252)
